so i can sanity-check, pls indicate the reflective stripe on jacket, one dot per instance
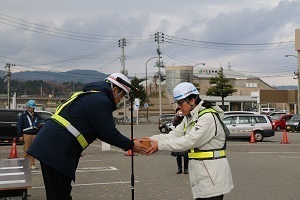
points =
(65, 123)
(195, 153)
(30, 124)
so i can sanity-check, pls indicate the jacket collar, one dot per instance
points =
(104, 87)
(195, 112)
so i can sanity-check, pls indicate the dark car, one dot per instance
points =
(293, 124)
(164, 119)
(279, 121)
(9, 121)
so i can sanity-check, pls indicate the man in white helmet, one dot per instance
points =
(76, 123)
(203, 134)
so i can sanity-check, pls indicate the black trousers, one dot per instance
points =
(185, 161)
(57, 185)
(212, 198)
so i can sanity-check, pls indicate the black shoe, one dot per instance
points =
(179, 171)
(186, 171)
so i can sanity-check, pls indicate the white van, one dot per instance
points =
(266, 110)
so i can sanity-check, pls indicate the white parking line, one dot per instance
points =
(89, 160)
(90, 184)
(259, 144)
(86, 169)
(275, 152)
(113, 149)
(96, 169)
(289, 157)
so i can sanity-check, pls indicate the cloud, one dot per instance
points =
(84, 35)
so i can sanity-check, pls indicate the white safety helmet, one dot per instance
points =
(112, 78)
(183, 90)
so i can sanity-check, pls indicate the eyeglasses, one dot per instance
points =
(179, 103)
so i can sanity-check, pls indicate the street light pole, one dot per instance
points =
(199, 64)
(147, 87)
(298, 103)
(7, 76)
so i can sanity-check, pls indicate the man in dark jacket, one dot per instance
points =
(76, 123)
(28, 126)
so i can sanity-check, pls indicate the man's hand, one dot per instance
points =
(21, 139)
(153, 148)
(139, 148)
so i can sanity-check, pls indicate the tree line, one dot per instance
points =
(46, 88)
(40, 87)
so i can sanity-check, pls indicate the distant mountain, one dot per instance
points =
(83, 76)
(287, 87)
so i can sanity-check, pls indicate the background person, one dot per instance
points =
(28, 126)
(184, 154)
(202, 133)
(76, 123)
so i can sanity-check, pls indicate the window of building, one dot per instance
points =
(251, 85)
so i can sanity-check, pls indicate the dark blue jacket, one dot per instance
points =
(91, 114)
(23, 123)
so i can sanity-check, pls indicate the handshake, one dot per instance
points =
(145, 146)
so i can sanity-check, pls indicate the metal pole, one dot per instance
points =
(159, 87)
(298, 109)
(147, 87)
(298, 103)
(8, 74)
(157, 37)
(132, 152)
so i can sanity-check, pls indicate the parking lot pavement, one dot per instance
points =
(264, 170)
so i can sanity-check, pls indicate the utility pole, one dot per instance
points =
(7, 78)
(122, 44)
(159, 38)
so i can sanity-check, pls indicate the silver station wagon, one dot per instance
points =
(242, 125)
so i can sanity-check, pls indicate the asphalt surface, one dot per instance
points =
(265, 170)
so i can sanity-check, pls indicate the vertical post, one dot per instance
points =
(157, 38)
(297, 48)
(122, 44)
(298, 105)
(297, 108)
(8, 86)
(159, 87)
(147, 87)
(8, 74)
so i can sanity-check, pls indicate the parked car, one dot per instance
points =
(267, 111)
(239, 112)
(9, 121)
(277, 113)
(242, 125)
(164, 119)
(293, 124)
(279, 121)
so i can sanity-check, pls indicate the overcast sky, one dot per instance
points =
(61, 35)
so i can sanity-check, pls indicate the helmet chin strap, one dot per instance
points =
(118, 94)
(112, 87)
